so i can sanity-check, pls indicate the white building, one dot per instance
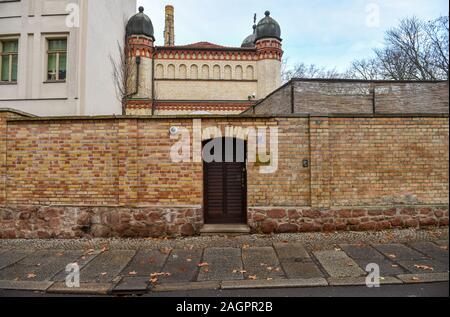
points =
(55, 55)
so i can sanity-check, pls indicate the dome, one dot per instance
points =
(140, 24)
(268, 28)
(250, 40)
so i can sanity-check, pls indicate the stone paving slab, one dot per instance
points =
(302, 270)
(387, 267)
(145, 263)
(262, 263)
(223, 264)
(40, 286)
(84, 289)
(361, 252)
(173, 287)
(424, 278)
(361, 281)
(82, 262)
(182, 265)
(106, 267)
(291, 283)
(424, 266)
(132, 285)
(292, 252)
(10, 257)
(40, 266)
(399, 252)
(338, 264)
(431, 249)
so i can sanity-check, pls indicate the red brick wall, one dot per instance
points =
(57, 174)
(385, 161)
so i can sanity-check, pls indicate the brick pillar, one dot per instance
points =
(127, 136)
(3, 167)
(320, 162)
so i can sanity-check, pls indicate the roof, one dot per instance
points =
(204, 46)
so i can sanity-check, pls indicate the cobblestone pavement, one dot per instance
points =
(221, 263)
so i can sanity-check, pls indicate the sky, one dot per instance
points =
(328, 33)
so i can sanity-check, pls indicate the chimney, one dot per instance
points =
(169, 31)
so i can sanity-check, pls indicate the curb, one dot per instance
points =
(361, 281)
(424, 278)
(186, 287)
(84, 289)
(287, 283)
(26, 285)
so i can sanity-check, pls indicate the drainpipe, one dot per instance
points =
(153, 82)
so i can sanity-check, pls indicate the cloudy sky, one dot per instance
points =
(327, 33)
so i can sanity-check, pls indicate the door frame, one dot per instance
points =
(244, 218)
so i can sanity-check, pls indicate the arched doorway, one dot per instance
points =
(225, 181)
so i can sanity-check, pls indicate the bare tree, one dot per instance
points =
(303, 70)
(414, 50)
(123, 74)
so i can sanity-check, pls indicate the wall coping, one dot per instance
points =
(231, 117)
(19, 112)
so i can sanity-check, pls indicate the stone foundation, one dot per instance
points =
(285, 220)
(30, 222)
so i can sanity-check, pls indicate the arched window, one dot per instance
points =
(239, 73)
(159, 71)
(171, 71)
(250, 73)
(194, 72)
(183, 71)
(227, 72)
(205, 72)
(216, 72)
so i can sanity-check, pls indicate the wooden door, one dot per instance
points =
(225, 186)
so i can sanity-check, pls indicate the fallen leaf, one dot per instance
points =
(393, 256)
(415, 278)
(203, 264)
(31, 275)
(164, 274)
(394, 265)
(153, 280)
(189, 260)
(444, 247)
(252, 277)
(105, 248)
(103, 274)
(424, 267)
(349, 264)
(205, 270)
(60, 254)
(132, 273)
(245, 246)
(270, 279)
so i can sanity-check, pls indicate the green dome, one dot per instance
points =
(268, 28)
(250, 40)
(140, 24)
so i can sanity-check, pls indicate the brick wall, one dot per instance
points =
(114, 177)
(302, 96)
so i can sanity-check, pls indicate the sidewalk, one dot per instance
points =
(126, 267)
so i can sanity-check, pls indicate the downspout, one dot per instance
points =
(153, 81)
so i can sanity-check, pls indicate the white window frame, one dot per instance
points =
(9, 39)
(47, 53)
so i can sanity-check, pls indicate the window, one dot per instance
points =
(57, 60)
(9, 55)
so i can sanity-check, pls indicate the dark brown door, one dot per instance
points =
(225, 184)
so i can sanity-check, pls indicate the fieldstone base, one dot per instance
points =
(286, 220)
(43, 222)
